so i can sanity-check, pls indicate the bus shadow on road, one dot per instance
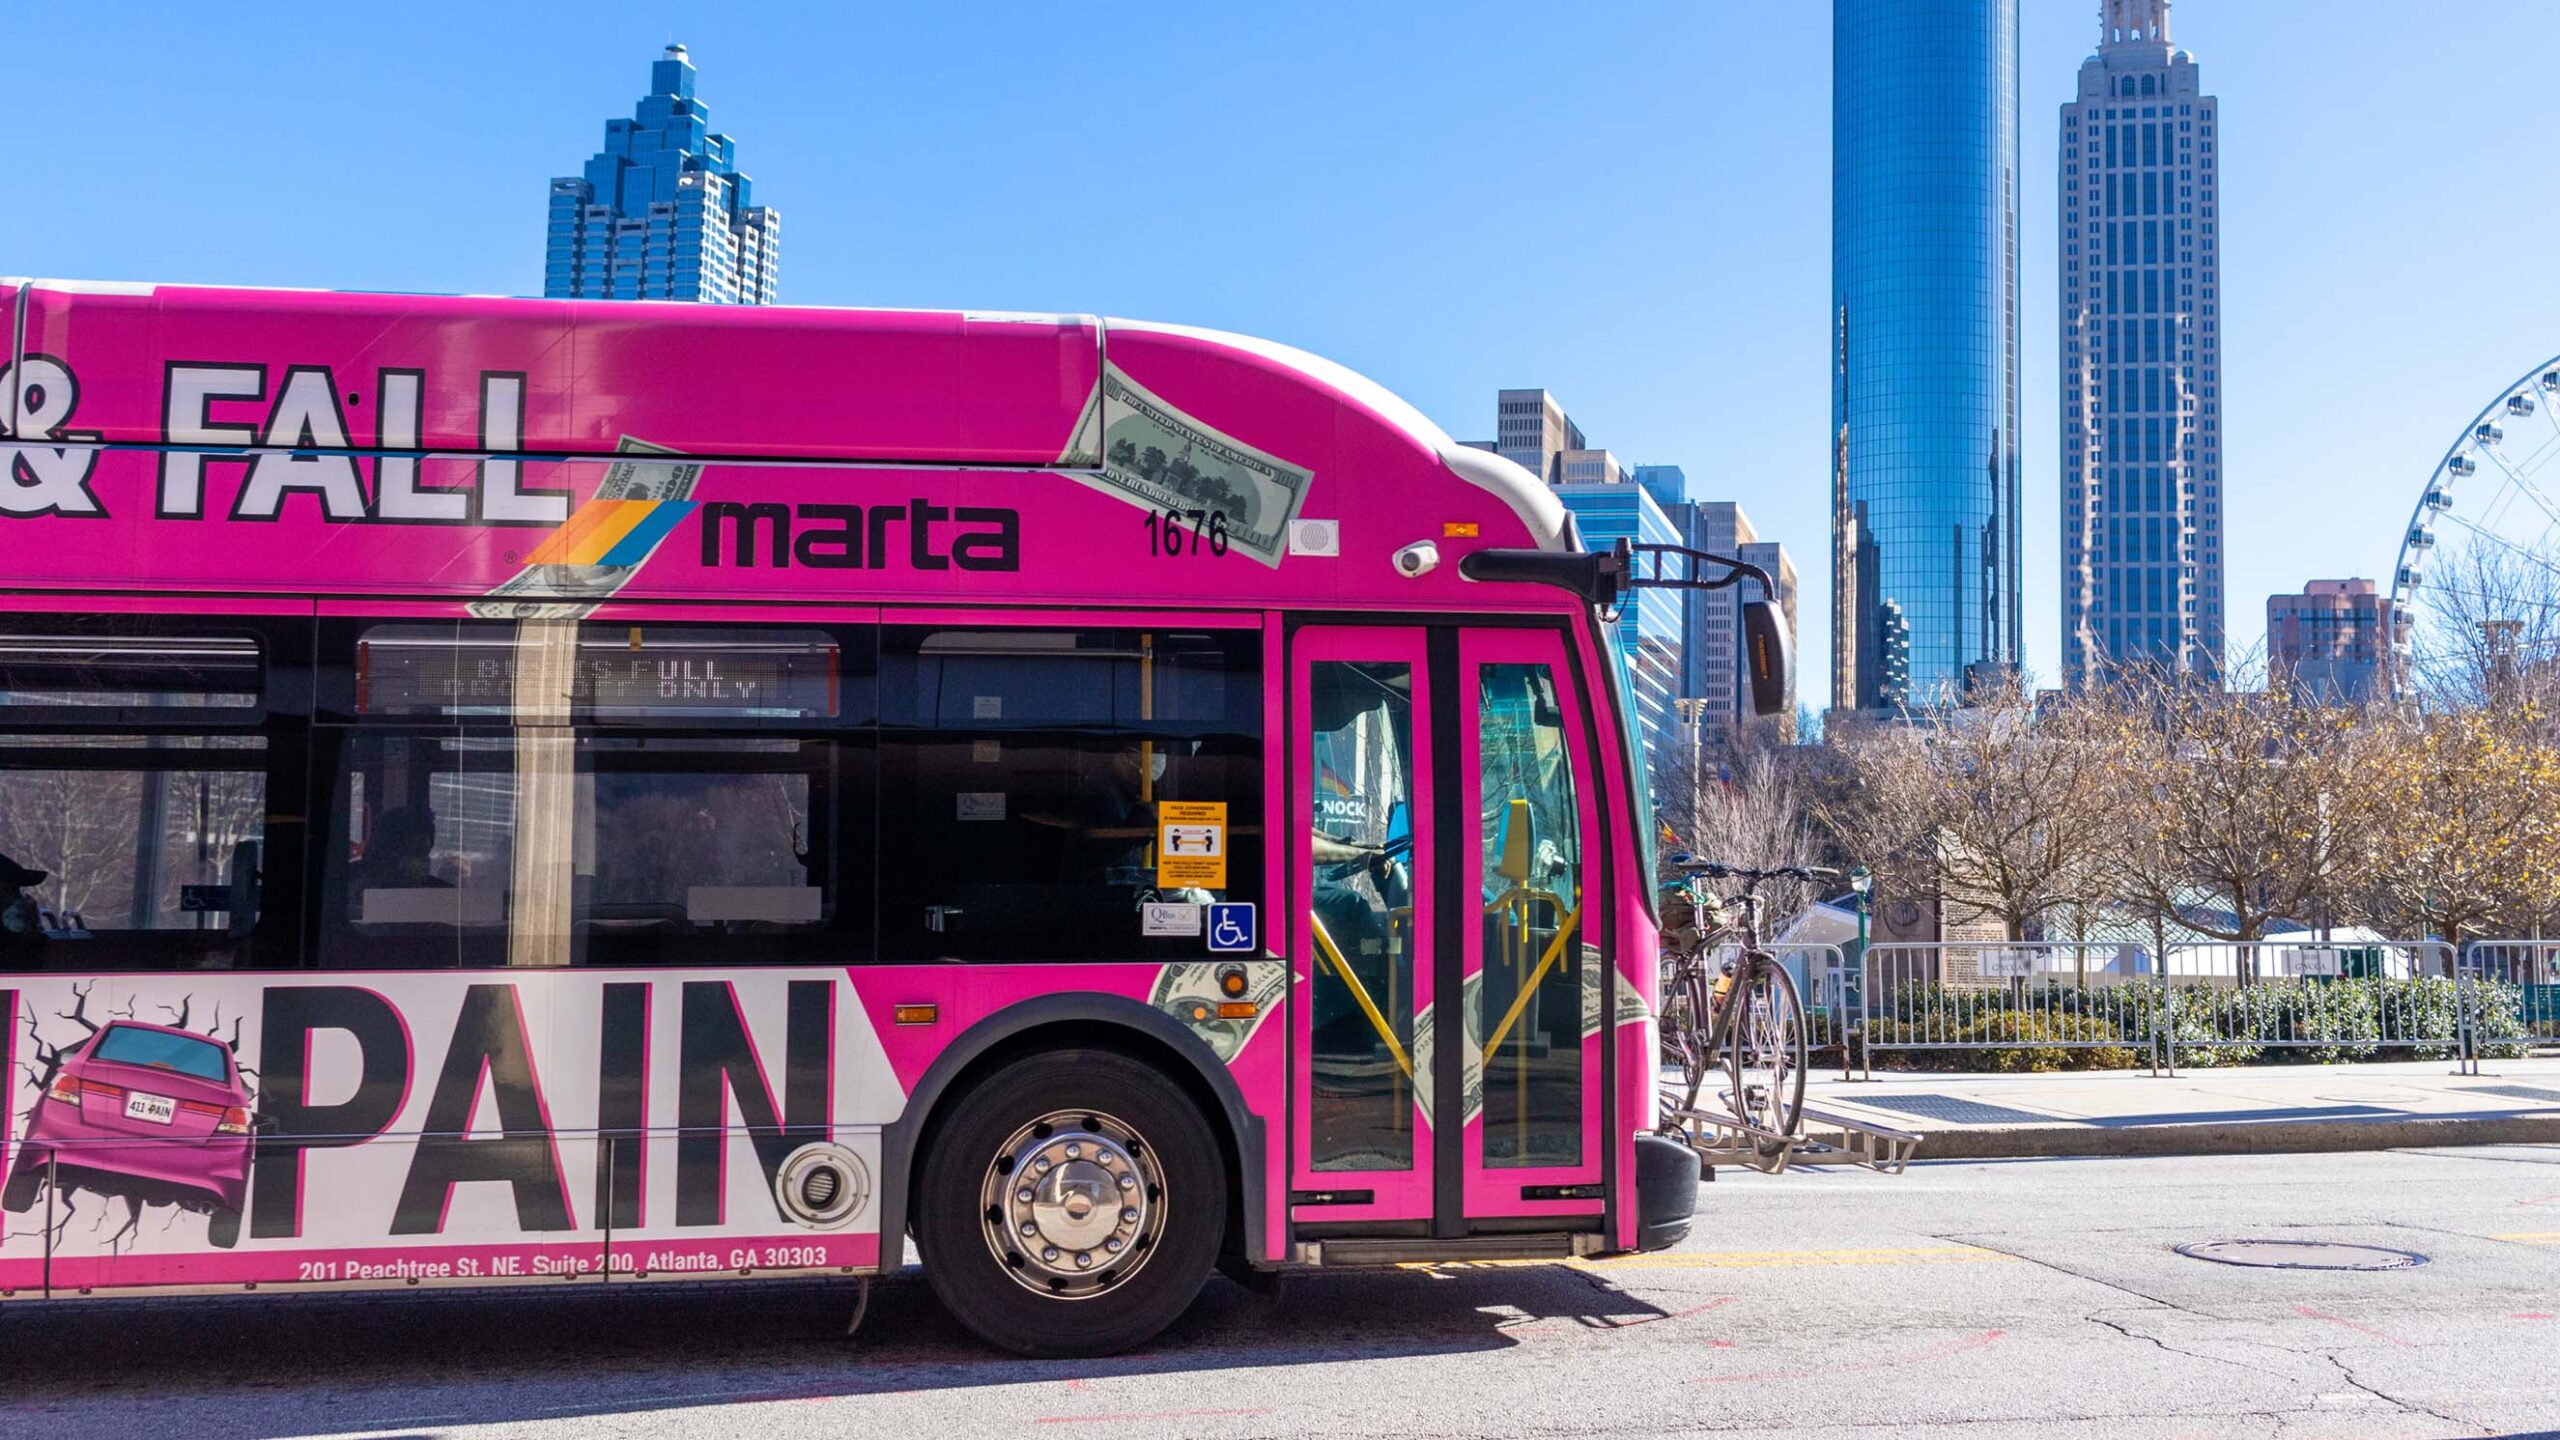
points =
(384, 1363)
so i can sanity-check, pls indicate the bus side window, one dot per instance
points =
(1027, 774)
(581, 793)
(134, 797)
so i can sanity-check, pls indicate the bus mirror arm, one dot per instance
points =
(1603, 578)
(1595, 577)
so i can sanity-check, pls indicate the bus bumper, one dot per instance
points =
(1666, 1191)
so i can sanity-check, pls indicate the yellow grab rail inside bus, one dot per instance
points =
(1359, 994)
(1520, 1002)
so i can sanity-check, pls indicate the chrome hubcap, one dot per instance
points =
(1073, 1204)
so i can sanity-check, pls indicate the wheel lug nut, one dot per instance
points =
(1048, 1252)
(1029, 1229)
(1084, 1260)
(1128, 1182)
(1023, 1194)
(1129, 1217)
(1112, 1244)
(1041, 1164)
(1074, 1150)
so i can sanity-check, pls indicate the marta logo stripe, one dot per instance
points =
(561, 546)
(660, 517)
(610, 532)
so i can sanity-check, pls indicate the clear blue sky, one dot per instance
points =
(1627, 203)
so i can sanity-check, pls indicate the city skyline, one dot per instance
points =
(2377, 247)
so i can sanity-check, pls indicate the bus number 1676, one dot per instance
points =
(1165, 537)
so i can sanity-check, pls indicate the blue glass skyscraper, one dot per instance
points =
(662, 212)
(1924, 388)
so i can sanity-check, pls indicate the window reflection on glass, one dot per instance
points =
(1024, 775)
(1360, 769)
(693, 850)
(568, 791)
(1529, 1005)
(124, 850)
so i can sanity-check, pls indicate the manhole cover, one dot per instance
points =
(2301, 1255)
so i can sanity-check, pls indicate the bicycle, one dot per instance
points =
(1742, 1014)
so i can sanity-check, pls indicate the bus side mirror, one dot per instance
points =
(1764, 649)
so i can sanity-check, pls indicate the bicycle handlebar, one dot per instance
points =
(1718, 870)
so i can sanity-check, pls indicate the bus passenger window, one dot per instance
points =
(133, 800)
(1032, 776)
(632, 824)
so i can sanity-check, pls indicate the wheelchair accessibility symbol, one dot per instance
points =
(1231, 927)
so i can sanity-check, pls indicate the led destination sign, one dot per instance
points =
(600, 672)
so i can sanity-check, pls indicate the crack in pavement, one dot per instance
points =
(2347, 1373)
(2099, 1317)
(2042, 1263)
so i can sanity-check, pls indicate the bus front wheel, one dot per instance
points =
(1072, 1205)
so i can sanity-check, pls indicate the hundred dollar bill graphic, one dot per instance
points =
(1148, 452)
(567, 592)
(1188, 991)
(1470, 1052)
(1631, 1006)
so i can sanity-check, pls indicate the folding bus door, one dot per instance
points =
(1447, 1038)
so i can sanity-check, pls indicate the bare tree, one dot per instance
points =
(1744, 796)
(2490, 631)
(2471, 834)
(2254, 800)
(1995, 806)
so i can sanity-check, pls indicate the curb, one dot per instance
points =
(2022, 1142)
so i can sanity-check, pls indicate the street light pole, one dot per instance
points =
(1692, 711)
(1861, 881)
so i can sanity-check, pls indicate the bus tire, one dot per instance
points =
(1072, 1204)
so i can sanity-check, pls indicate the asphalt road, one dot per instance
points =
(1985, 1299)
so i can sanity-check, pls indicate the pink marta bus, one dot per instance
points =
(509, 792)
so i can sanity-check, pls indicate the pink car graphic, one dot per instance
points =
(157, 1115)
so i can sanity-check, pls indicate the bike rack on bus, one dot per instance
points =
(1822, 1137)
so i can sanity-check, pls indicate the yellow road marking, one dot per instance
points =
(2539, 1237)
(1755, 1259)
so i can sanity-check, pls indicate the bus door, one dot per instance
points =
(1447, 1058)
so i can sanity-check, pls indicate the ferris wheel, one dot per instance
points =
(2479, 567)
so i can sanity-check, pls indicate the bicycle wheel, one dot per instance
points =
(1765, 1054)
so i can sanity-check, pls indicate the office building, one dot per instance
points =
(1532, 431)
(1590, 467)
(2141, 358)
(662, 212)
(1924, 266)
(2332, 642)
(1669, 487)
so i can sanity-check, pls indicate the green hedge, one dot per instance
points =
(2300, 1022)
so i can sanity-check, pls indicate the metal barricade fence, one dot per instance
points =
(2357, 1000)
(2007, 995)
(2509, 994)
(2352, 999)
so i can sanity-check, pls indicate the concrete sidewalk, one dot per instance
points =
(2259, 1108)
